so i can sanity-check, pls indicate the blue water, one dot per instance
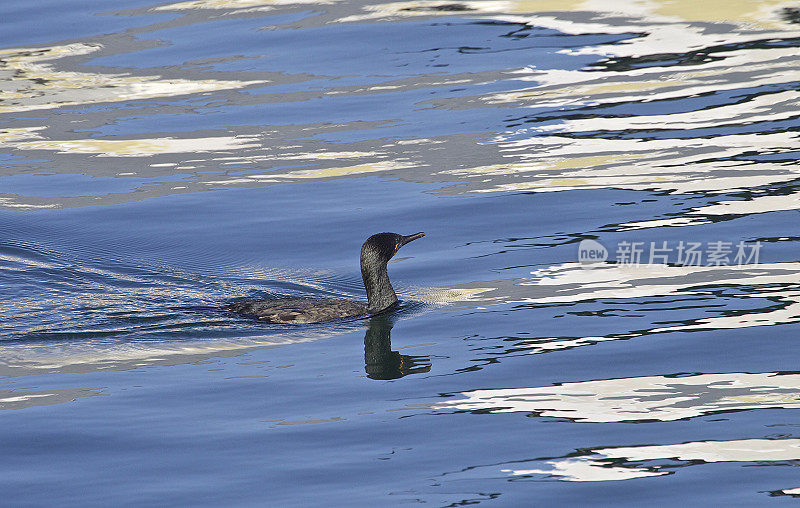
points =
(158, 161)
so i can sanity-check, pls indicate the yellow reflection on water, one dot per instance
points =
(19, 134)
(758, 13)
(139, 147)
(761, 14)
(235, 4)
(32, 82)
(305, 174)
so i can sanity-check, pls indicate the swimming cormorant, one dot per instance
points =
(375, 253)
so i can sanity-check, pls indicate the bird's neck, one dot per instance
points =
(380, 294)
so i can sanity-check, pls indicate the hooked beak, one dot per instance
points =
(411, 238)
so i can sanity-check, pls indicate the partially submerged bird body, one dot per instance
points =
(299, 310)
(375, 253)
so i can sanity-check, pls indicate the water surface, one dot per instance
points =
(158, 160)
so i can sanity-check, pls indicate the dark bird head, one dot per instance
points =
(382, 246)
(375, 253)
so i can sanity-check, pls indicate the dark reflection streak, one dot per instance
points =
(791, 14)
(776, 493)
(468, 501)
(380, 362)
(454, 7)
(541, 241)
(622, 311)
(776, 239)
(625, 64)
(584, 113)
(785, 189)
(618, 110)
(761, 127)
(782, 189)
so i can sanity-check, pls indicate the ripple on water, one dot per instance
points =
(59, 310)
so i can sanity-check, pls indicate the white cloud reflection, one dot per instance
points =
(648, 398)
(601, 464)
(570, 283)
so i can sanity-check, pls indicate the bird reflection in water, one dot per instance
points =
(383, 363)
